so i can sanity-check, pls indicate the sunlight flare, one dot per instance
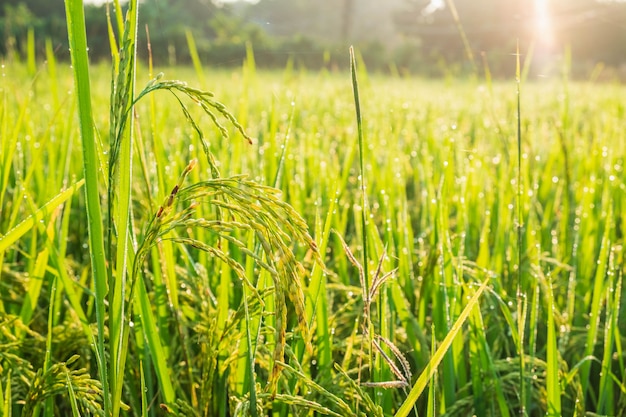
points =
(543, 30)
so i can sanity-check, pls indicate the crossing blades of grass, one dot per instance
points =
(28, 223)
(438, 356)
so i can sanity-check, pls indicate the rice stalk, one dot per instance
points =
(78, 52)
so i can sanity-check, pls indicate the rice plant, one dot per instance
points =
(161, 253)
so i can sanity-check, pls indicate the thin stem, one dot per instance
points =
(520, 287)
(357, 106)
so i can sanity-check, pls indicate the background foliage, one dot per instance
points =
(397, 35)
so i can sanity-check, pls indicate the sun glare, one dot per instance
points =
(543, 23)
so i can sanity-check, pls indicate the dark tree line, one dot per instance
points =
(167, 19)
(391, 34)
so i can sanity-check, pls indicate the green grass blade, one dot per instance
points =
(115, 53)
(606, 400)
(432, 385)
(249, 354)
(45, 211)
(553, 380)
(596, 303)
(483, 374)
(31, 65)
(119, 17)
(617, 303)
(52, 71)
(72, 397)
(364, 210)
(5, 396)
(80, 62)
(436, 359)
(464, 38)
(34, 288)
(144, 390)
(68, 285)
(195, 58)
(521, 295)
(49, 404)
(317, 302)
(156, 348)
(364, 207)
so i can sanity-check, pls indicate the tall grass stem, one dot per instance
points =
(80, 62)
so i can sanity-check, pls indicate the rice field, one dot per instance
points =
(279, 248)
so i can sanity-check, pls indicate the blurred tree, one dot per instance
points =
(594, 34)
(167, 19)
(47, 18)
(488, 24)
(14, 23)
(316, 19)
(409, 32)
(345, 21)
(40, 8)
